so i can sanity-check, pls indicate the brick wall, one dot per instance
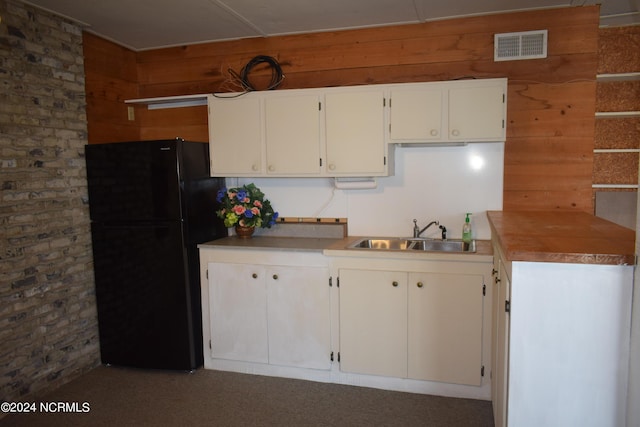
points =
(48, 321)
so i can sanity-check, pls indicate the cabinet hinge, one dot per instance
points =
(337, 282)
(207, 274)
(482, 371)
(484, 289)
(507, 306)
(385, 160)
(384, 102)
(331, 356)
(338, 356)
(320, 161)
(320, 104)
(502, 123)
(330, 281)
(209, 344)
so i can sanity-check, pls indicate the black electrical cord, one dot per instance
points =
(276, 72)
(242, 79)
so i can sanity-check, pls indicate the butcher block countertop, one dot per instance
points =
(565, 237)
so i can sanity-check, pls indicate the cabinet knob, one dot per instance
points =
(254, 275)
(455, 132)
(434, 132)
(271, 168)
(395, 284)
(275, 277)
(332, 166)
(420, 284)
(254, 168)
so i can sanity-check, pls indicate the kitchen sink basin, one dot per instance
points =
(426, 245)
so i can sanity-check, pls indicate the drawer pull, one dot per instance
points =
(254, 275)
(395, 284)
(420, 284)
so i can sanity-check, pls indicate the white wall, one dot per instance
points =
(430, 183)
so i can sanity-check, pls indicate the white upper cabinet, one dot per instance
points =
(446, 112)
(333, 132)
(347, 131)
(416, 114)
(293, 135)
(478, 112)
(355, 133)
(235, 136)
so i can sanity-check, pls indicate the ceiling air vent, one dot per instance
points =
(523, 45)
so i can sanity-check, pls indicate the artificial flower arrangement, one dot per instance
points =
(245, 206)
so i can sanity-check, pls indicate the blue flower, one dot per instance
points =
(241, 196)
(272, 221)
(248, 213)
(221, 193)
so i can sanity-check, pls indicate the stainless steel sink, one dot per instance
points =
(426, 245)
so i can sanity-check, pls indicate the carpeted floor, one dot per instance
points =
(129, 397)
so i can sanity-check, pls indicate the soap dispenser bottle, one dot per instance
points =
(466, 230)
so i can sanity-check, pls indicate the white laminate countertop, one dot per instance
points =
(334, 247)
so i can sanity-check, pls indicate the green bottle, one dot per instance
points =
(466, 230)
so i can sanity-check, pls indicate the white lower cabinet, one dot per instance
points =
(278, 315)
(238, 301)
(445, 327)
(500, 339)
(424, 326)
(298, 316)
(373, 322)
(402, 322)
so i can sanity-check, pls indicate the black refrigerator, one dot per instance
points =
(151, 204)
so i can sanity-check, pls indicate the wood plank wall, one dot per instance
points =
(551, 102)
(110, 77)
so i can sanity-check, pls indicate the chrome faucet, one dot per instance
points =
(416, 230)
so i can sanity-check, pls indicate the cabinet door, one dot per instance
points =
(502, 348)
(477, 113)
(238, 301)
(373, 322)
(293, 135)
(416, 115)
(355, 133)
(495, 302)
(299, 317)
(445, 327)
(235, 136)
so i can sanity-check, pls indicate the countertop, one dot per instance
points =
(329, 246)
(275, 243)
(565, 237)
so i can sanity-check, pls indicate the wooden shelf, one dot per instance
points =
(618, 77)
(170, 101)
(617, 114)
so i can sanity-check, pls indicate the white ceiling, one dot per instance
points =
(150, 24)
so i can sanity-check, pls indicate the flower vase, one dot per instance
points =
(244, 232)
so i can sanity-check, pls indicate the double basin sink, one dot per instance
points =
(417, 244)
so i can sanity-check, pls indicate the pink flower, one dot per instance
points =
(238, 209)
(257, 203)
(255, 211)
